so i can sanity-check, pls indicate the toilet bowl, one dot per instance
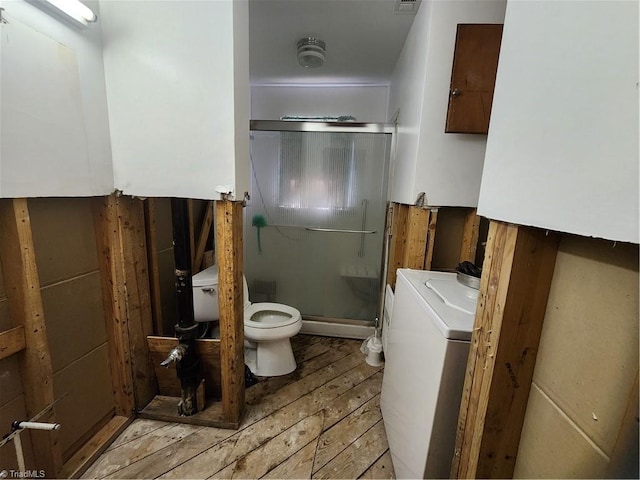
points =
(267, 326)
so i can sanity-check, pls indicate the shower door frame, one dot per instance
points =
(343, 127)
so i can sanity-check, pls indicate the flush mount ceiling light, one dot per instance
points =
(68, 9)
(311, 52)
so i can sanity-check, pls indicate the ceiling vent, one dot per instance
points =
(406, 7)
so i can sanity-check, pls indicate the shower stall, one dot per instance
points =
(314, 226)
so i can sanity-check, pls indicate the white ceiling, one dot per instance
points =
(363, 37)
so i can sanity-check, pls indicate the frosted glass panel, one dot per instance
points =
(304, 183)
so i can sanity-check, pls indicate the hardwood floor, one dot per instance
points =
(321, 421)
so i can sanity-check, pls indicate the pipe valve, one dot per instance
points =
(175, 355)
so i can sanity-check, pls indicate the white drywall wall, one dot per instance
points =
(447, 167)
(174, 72)
(55, 130)
(368, 103)
(562, 150)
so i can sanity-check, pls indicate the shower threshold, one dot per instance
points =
(337, 327)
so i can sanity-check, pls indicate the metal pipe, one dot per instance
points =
(365, 203)
(337, 230)
(300, 126)
(187, 362)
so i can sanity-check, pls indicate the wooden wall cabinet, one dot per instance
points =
(473, 77)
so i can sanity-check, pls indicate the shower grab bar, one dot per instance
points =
(327, 230)
(337, 230)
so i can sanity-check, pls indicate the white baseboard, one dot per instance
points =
(331, 329)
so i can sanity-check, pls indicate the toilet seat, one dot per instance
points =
(270, 315)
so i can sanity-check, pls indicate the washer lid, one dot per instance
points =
(452, 295)
(206, 278)
(448, 306)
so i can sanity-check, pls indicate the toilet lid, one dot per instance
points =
(270, 315)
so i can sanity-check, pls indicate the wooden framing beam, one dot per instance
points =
(515, 284)
(12, 341)
(399, 215)
(416, 235)
(202, 238)
(152, 262)
(120, 235)
(413, 231)
(431, 238)
(20, 273)
(231, 304)
(470, 236)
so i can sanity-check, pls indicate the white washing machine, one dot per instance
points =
(425, 360)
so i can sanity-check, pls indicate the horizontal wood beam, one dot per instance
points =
(514, 288)
(12, 341)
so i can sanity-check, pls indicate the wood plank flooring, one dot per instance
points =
(321, 421)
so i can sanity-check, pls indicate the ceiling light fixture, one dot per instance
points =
(311, 52)
(72, 9)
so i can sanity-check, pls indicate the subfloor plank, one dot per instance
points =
(299, 465)
(328, 410)
(333, 441)
(272, 453)
(382, 469)
(139, 448)
(138, 428)
(354, 460)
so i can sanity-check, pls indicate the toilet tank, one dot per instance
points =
(205, 295)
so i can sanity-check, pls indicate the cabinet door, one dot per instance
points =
(473, 77)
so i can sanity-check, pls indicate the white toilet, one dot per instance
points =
(267, 326)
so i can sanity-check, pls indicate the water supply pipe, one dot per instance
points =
(184, 355)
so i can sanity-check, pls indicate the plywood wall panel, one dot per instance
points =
(446, 250)
(164, 225)
(10, 381)
(75, 318)
(64, 238)
(588, 354)
(167, 290)
(5, 319)
(14, 410)
(553, 447)
(87, 383)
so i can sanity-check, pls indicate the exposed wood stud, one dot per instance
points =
(231, 304)
(416, 247)
(399, 214)
(202, 238)
(138, 298)
(515, 284)
(120, 234)
(114, 300)
(12, 341)
(431, 238)
(20, 273)
(154, 269)
(470, 236)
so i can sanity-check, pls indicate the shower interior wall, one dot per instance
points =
(367, 103)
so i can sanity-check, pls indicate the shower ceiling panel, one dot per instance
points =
(364, 39)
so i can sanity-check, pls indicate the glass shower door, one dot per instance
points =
(314, 226)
